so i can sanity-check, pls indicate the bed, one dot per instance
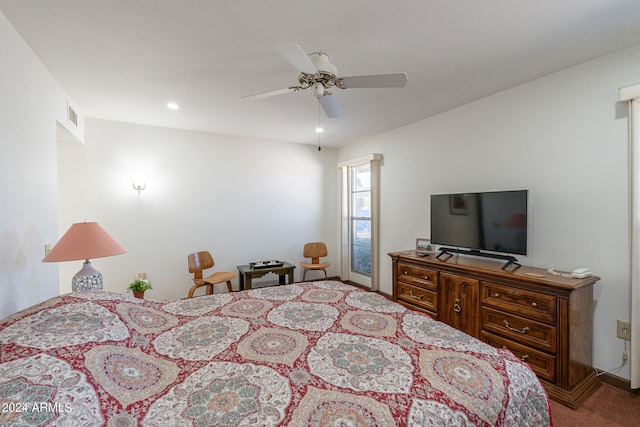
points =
(308, 354)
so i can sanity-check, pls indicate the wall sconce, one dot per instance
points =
(139, 185)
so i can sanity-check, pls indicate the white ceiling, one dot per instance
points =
(125, 59)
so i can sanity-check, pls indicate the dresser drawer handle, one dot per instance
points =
(496, 295)
(534, 304)
(457, 307)
(520, 331)
(415, 296)
(524, 357)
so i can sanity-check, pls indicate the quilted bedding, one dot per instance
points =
(308, 354)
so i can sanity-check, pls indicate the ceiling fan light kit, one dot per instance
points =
(318, 89)
(319, 74)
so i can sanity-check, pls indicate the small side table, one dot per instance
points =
(247, 273)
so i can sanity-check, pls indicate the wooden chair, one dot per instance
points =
(314, 250)
(201, 261)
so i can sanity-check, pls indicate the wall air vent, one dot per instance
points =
(72, 116)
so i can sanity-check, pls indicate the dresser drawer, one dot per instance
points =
(525, 331)
(544, 365)
(418, 296)
(534, 305)
(414, 307)
(418, 276)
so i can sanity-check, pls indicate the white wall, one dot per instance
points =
(241, 199)
(564, 138)
(32, 104)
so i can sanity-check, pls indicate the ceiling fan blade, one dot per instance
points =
(270, 93)
(374, 80)
(298, 58)
(330, 105)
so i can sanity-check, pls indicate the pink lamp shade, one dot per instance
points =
(85, 240)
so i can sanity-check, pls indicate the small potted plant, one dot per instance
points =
(138, 286)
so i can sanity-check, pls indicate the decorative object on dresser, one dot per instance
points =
(545, 320)
(424, 246)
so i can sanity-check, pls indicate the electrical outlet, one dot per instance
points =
(624, 330)
(142, 276)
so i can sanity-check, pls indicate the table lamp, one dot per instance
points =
(85, 240)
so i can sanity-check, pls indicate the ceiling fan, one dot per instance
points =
(320, 75)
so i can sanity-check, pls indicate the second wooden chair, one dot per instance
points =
(314, 250)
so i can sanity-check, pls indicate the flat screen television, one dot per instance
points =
(493, 221)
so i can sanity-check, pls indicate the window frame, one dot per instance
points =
(375, 161)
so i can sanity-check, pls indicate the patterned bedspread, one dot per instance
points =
(307, 354)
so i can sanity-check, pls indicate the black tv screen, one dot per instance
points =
(491, 221)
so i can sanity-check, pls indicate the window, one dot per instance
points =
(360, 211)
(360, 195)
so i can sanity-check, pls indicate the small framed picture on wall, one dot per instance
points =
(424, 246)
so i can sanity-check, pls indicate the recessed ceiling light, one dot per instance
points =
(319, 129)
(172, 106)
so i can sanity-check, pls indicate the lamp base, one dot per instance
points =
(87, 279)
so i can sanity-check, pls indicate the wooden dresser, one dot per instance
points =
(545, 320)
